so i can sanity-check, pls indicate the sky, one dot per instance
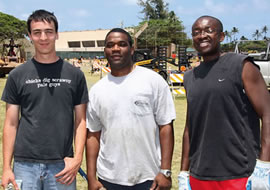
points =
(76, 15)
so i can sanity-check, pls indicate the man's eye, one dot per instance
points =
(109, 45)
(49, 32)
(123, 44)
(195, 33)
(36, 33)
(209, 30)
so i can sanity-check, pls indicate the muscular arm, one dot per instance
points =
(185, 147)
(166, 136)
(258, 95)
(72, 165)
(92, 149)
(80, 131)
(167, 143)
(9, 134)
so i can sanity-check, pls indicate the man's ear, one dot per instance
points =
(222, 36)
(132, 49)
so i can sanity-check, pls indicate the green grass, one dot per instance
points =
(180, 105)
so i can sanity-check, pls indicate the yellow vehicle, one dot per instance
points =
(143, 57)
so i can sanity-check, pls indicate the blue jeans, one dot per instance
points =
(111, 186)
(38, 176)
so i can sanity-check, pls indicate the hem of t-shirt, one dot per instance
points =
(83, 102)
(9, 102)
(167, 122)
(19, 159)
(125, 183)
(219, 178)
(93, 130)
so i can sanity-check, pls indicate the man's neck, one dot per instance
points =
(210, 58)
(122, 72)
(46, 58)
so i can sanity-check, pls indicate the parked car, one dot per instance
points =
(262, 59)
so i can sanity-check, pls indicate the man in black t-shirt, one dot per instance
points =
(226, 98)
(45, 108)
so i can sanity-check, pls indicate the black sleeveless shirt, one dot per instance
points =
(224, 128)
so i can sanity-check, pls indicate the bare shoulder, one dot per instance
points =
(250, 70)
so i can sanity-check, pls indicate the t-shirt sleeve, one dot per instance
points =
(93, 122)
(81, 91)
(10, 93)
(164, 109)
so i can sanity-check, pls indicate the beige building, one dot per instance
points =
(74, 44)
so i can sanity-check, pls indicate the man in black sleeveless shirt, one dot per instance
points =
(223, 145)
(45, 108)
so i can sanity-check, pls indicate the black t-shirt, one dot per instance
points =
(223, 126)
(46, 94)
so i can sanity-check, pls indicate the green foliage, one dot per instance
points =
(243, 38)
(253, 46)
(164, 27)
(11, 27)
(249, 46)
(234, 32)
(154, 9)
(264, 30)
(228, 36)
(257, 34)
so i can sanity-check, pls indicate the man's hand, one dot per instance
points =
(161, 182)
(8, 177)
(183, 181)
(68, 174)
(94, 184)
(260, 178)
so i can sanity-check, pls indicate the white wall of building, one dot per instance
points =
(65, 38)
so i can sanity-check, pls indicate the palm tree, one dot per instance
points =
(243, 38)
(264, 30)
(256, 34)
(233, 32)
(228, 36)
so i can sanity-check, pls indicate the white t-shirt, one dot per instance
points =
(127, 110)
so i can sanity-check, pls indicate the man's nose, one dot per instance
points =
(202, 34)
(43, 36)
(116, 47)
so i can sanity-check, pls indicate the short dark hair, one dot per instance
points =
(121, 31)
(214, 18)
(42, 15)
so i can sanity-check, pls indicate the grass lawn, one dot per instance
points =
(180, 104)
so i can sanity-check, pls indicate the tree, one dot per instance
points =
(228, 36)
(256, 34)
(164, 27)
(11, 27)
(234, 32)
(154, 9)
(243, 38)
(264, 30)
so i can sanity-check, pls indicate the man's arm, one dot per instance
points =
(185, 147)
(92, 149)
(166, 136)
(9, 135)
(183, 176)
(72, 165)
(258, 95)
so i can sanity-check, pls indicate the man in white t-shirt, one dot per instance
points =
(130, 120)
